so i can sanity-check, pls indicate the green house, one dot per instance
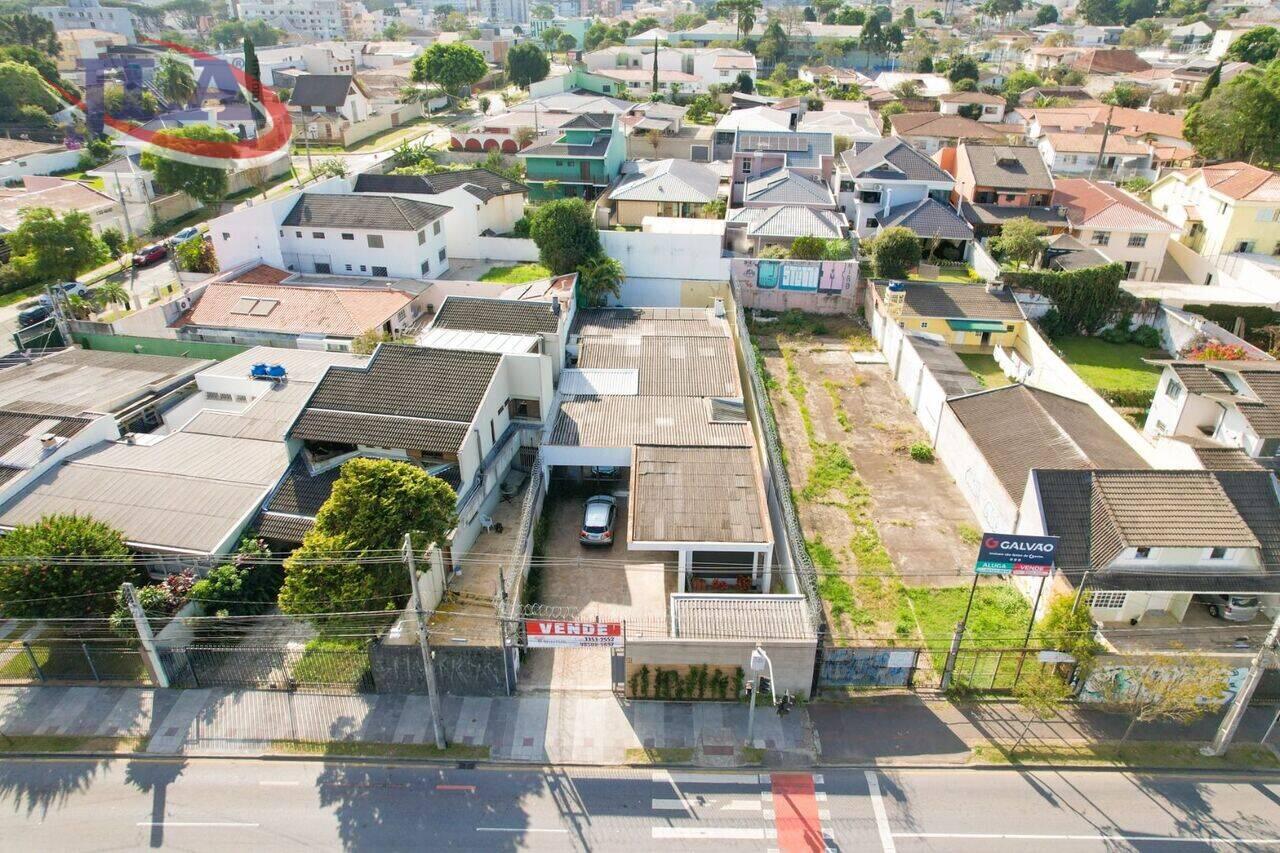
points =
(583, 160)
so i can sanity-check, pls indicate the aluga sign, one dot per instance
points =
(1007, 554)
(554, 633)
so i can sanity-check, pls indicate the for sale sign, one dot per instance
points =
(1023, 556)
(557, 634)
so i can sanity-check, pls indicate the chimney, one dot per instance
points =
(48, 441)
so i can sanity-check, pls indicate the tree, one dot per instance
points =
(963, 68)
(20, 86)
(1238, 120)
(907, 90)
(745, 84)
(43, 574)
(1046, 14)
(894, 251)
(599, 276)
(1042, 693)
(197, 255)
(1099, 12)
(1062, 38)
(926, 65)
(25, 29)
(566, 42)
(872, 38)
(50, 247)
(115, 242)
(1213, 81)
(246, 586)
(259, 32)
(808, 248)
(1125, 95)
(206, 184)
(890, 109)
(111, 293)
(1257, 46)
(452, 67)
(1068, 627)
(744, 14)
(527, 64)
(373, 504)
(565, 234)
(550, 36)
(331, 167)
(1020, 81)
(773, 45)
(1178, 688)
(252, 70)
(175, 80)
(1021, 240)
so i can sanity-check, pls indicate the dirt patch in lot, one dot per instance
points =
(873, 517)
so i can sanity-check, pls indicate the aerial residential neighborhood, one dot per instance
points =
(611, 425)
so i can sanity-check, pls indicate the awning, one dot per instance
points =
(976, 326)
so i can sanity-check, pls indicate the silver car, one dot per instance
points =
(598, 520)
(1233, 608)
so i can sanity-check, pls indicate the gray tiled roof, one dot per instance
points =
(509, 316)
(783, 186)
(958, 301)
(481, 183)
(362, 211)
(696, 494)
(787, 221)
(928, 218)
(1017, 428)
(999, 214)
(1015, 167)
(1258, 400)
(803, 149)
(321, 90)
(668, 180)
(905, 163)
(375, 430)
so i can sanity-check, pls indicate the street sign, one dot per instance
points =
(558, 634)
(1022, 556)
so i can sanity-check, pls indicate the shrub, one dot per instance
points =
(521, 228)
(1147, 336)
(1215, 351)
(1114, 335)
(1086, 299)
(894, 251)
(1129, 398)
(808, 248)
(921, 452)
(1052, 324)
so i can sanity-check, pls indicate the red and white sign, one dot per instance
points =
(555, 634)
(1031, 570)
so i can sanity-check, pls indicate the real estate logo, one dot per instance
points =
(251, 111)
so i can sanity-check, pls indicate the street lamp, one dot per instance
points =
(758, 664)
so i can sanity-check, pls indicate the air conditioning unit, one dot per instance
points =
(184, 303)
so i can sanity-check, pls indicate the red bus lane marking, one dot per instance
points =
(795, 813)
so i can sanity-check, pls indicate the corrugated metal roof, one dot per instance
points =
(466, 339)
(669, 366)
(628, 421)
(599, 382)
(741, 617)
(697, 494)
(207, 458)
(75, 380)
(265, 419)
(641, 322)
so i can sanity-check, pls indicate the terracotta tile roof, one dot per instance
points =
(13, 148)
(1098, 205)
(262, 274)
(1109, 61)
(1242, 181)
(1089, 143)
(336, 311)
(938, 125)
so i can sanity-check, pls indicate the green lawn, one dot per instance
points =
(954, 275)
(984, 369)
(1110, 367)
(999, 614)
(517, 274)
(21, 294)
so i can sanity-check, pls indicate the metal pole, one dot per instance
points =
(973, 588)
(751, 712)
(144, 635)
(1231, 721)
(1267, 735)
(1084, 579)
(1030, 626)
(424, 643)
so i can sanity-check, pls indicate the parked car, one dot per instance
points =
(1233, 608)
(71, 288)
(598, 520)
(184, 235)
(33, 315)
(148, 255)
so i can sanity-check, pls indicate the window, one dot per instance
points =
(322, 268)
(924, 324)
(363, 268)
(1137, 241)
(1267, 214)
(1142, 553)
(1217, 553)
(435, 229)
(379, 272)
(1245, 246)
(226, 235)
(375, 241)
(346, 236)
(1174, 389)
(872, 222)
(442, 254)
(1101, 238)
(297, 233)
(348, 267)
(1107, 600)
(426, 267)
(422, 236)
(746, 167)
(317, 235)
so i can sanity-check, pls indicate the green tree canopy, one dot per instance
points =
(452, 67)
(50, 247)
(1238, 119)
(527, 64)
(963, 68)
(599, 276)
(21, 86)
(175, 80)
(1020, 81)
(230, 33)
(206, 184)
(1021, 240)
(565, 234)
(894, 251)
(1257, 46)
(1046, 14)
(25, 29)
(40, 580)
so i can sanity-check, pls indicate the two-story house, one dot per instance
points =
(882, 176)
(979, 106)
(1007, 175)
(364, 234)
(322, 103)
(1123, 229)
(1110, 156)
(1230, 207)
(1231, 403)
(810, 154)
(1142, 542)
(583, 160)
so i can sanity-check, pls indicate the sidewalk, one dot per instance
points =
(573, 728)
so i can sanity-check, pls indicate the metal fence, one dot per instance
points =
(507, 602)
(67, 660)
(320, 669)
(868, 667)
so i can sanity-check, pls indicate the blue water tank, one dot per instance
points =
(276, 371)
(259, 369)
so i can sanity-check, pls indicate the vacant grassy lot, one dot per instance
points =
(953, 275)
(516, 274)
(1110, 367)
(984, 369)
(999, 616)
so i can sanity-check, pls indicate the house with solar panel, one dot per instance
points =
(810, 154)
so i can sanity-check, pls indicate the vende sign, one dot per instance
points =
(552, 633)
(1026, 556)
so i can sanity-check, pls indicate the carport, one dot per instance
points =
(703, 501)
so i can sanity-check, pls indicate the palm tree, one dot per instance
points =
(79, 307)
(175, 81)
(112, 292)
(598, 276)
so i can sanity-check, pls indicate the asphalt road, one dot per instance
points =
(149, 278)
(210, 804)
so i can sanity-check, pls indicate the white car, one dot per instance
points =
(598, 520)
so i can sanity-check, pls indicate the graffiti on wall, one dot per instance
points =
(1116, 680)
(830, 277)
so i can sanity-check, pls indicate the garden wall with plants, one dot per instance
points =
(683, 659)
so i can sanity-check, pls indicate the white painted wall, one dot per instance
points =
(995, 509)
(674, 256)
(39, 164)
(516, 249)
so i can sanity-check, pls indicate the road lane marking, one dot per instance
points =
(1068, 837)
(722, 833)
(274, 782)
(690, 801)
(686, 778)
(669, 805)
(882, 817)
(797, 819)
(169, 824)
(515, 829)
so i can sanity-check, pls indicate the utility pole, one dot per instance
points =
(147, 639)
(1106, 132)
(1231, 722)
(424, 643)
(128, 227)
